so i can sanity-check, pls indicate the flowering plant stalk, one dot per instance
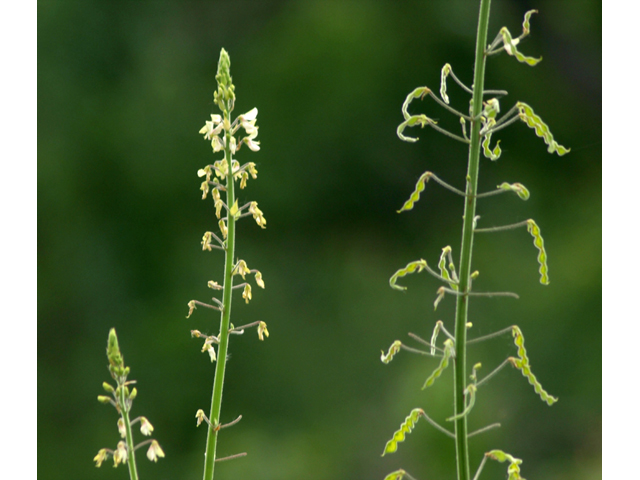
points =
(219, 177)
(458, 281)
(122, 399)
(227, 137)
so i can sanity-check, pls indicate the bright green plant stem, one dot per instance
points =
(218, 383)
(131, 457)
(462, 303)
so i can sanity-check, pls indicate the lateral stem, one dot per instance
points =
(500, 367)
(502, 228)
(424, 342)
(491, 335)
(448, 107)
(484, 429)
(436, 425)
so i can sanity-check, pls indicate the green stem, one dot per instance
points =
(131, 457)
(462, 303)
(218, 382)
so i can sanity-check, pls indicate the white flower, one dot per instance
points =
(145, 426)
(154, 452)
(121, 429)
(212, 128)
(120, 455)
(101, 456)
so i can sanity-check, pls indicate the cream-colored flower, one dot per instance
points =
(259, 280)
(241, 269)
(200, 417)
(223, 228)
(213, 127)
(120, 455)
(258, 216)
(262, 330)
(246, 294)
(154, 451)
(121, 429)
(102, 455)
(145, 426)
(192, 307)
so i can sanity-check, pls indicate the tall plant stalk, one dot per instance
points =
(483, 120)
(466, 251)
(229, 253)
(221, 131)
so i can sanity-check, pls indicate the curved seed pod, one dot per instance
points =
(514, 463)
(471, 390)
(406, 427)
(486, 150)
(397, 475)
(434, 336)
(446, 70)
(525, 23)
(439, 298)
(442, 265)
(522, 364)
(534, 230)
(518, 188)
(415, 196)
(417, 93)
(528, 116)
(393, 349)
(510, 48)
(444, 363)
(421, 120)
(418, 266)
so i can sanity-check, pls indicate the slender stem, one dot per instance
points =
(462, 301)
(218, 382)
(131, 457)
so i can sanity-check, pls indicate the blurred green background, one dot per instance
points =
(124, 87)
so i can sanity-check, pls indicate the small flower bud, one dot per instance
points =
(113, 350)
(200, 417)
(104, 399)
(134, 394)
(107, 388)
